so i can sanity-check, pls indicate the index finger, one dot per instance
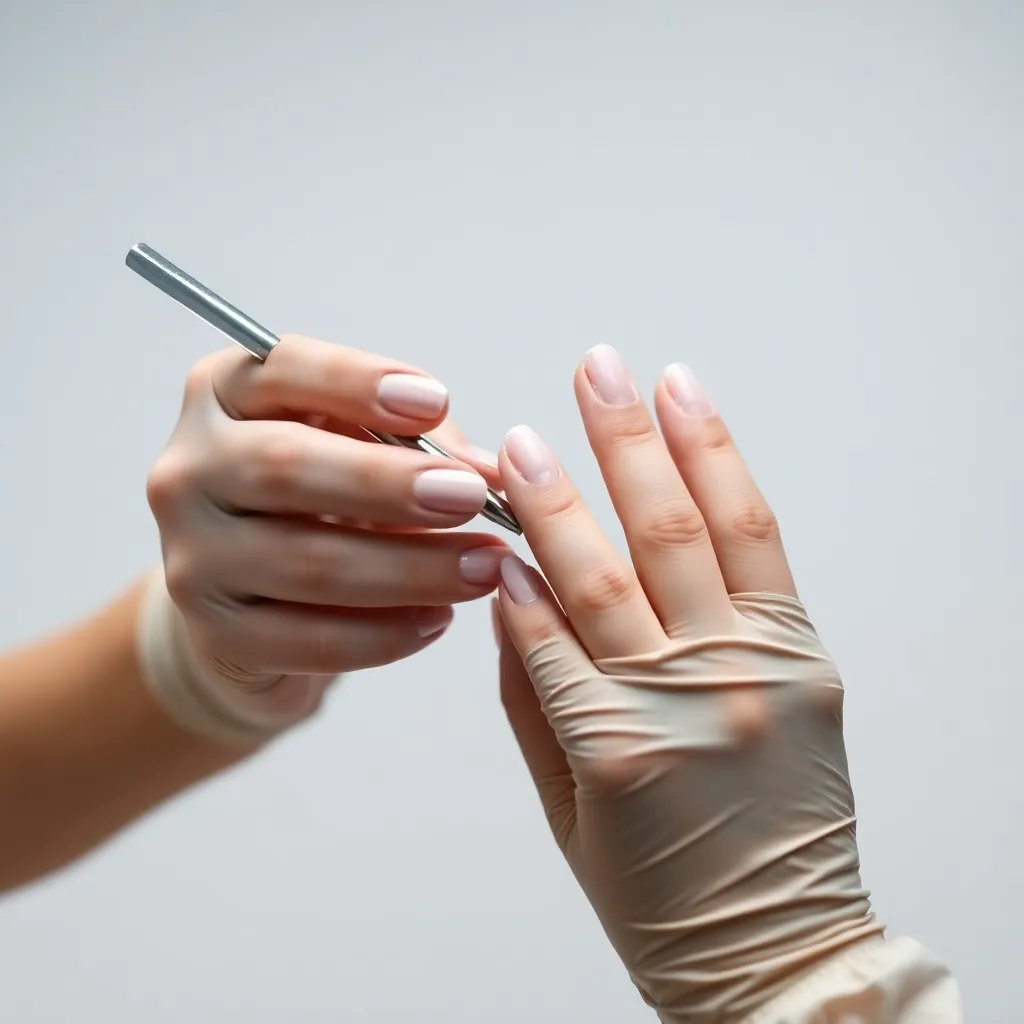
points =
(308, 377)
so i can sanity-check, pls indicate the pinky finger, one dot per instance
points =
(531, 615)
(282, 639)
(590, 716)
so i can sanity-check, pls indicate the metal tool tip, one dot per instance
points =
(497, 513)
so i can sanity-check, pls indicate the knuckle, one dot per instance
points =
(181, 577)
(546, 630)
(368, 474)
(198, 379)
(169, 478)
(603, 588)
(317, 566)
(755, 521)
(673, 525)
(633, 429)
(559, 502)
(327, 649)
(279, 464)
(714, 437)
(610, 772)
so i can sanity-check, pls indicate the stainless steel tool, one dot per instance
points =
(259, 342)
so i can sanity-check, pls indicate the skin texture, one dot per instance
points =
(292, 546)
(679, 716)
(84, 749)
(295, 546)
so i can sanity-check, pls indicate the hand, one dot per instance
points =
(295, 546)
(679, 715)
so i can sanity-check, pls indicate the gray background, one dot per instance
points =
(816, 205)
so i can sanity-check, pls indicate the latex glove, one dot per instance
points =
(683, 724)
(294, 546)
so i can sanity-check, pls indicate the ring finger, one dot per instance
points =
(320, 564)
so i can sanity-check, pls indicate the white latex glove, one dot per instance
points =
(683, 724)
(295, 547)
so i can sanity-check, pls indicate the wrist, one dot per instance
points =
(196, 695)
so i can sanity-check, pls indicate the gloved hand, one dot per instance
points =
(295, 547)
(683, 724)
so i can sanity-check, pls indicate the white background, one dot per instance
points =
(818, 206)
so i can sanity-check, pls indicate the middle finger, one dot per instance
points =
(666, 533)
(286, 467)
(595, 585)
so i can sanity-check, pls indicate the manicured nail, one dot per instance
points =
(483, 456)
(518, 579)
(455, 491)
(609, 377)
(432, 621)
(686, 391)
(407, 394)
(482, 566)
(533, 459)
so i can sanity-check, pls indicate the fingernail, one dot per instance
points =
(455, 491)
(609, 377)
(483, 456)
(533, 459)
(518, 580)
(686, 391)
(432, 621)
(407, 394)
(482, 566)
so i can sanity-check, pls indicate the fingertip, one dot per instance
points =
(520, 581)
(529, 612)
(432, 622)
(414, 396)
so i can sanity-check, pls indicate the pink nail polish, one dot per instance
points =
(454, 491)
(518, 579)
(687, 393)
(532, 458)
(609, 377)
(482, 566)
(407, 394)
(432, 621)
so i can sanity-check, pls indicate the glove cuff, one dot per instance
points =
(199, 700)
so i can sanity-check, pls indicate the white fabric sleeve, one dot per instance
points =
(199, 699)
(878, 981)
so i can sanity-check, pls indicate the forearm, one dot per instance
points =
(84, 748)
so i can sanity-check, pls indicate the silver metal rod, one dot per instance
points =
(228, 319)
(259, 342)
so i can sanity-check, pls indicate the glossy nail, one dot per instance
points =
(432, 621)
(533, 460)
(482, 566)
(519, 580)
(407, 394)
(609, 377)
(687, 393)
(455, 491)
